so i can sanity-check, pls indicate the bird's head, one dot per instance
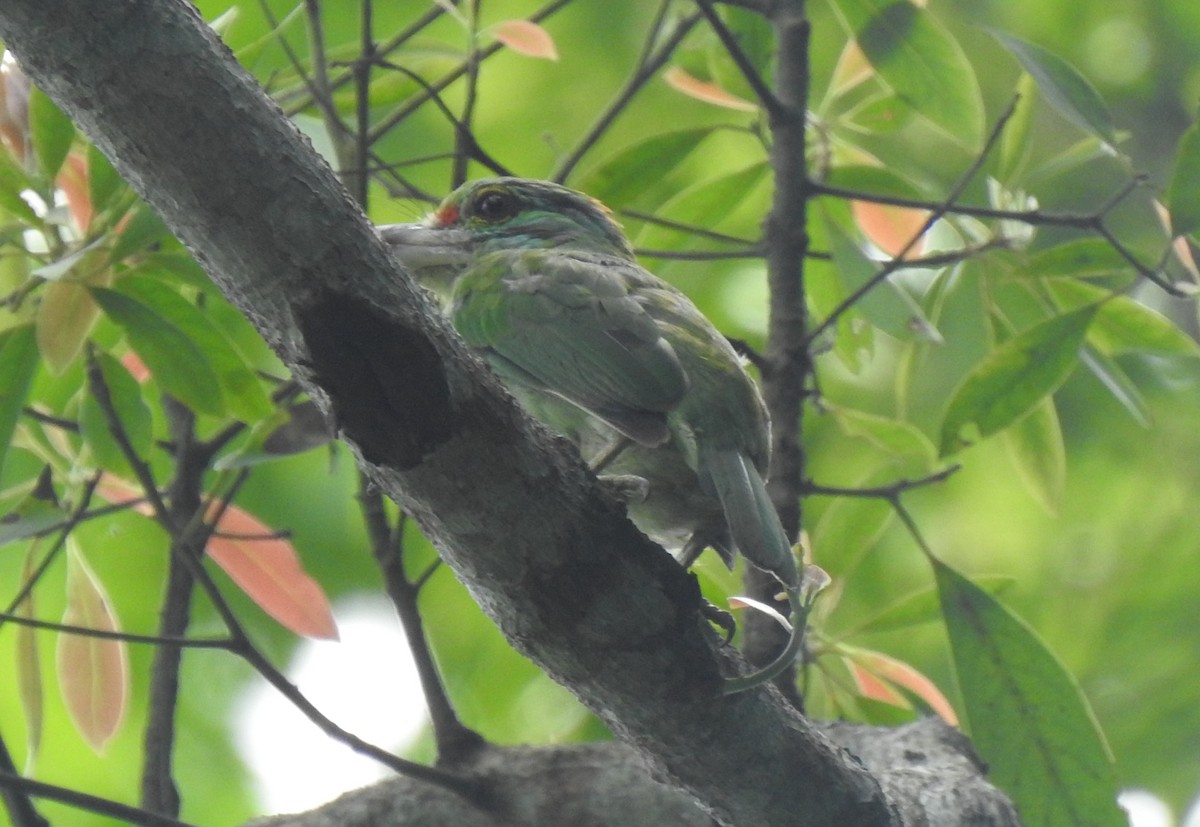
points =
(504, 214)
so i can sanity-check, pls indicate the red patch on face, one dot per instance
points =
(446, 215)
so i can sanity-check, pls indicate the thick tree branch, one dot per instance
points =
(515, 514)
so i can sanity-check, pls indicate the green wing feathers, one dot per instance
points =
(566, 326)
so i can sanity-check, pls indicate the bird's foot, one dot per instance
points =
(721, 619)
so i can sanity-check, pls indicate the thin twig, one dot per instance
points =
(464, 137)
(85, 801)
(690, 229)
(649, 63)
(777, 112)
(455, 741)
(16, 800)
(887, 492)
(434, 88)
(935, 215)
(105, 634)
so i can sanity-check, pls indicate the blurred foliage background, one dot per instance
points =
(1108, 577)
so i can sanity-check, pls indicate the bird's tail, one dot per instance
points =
(759, 536)
(753, 522)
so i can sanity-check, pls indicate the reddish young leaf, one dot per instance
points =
(267, 569)
(890, 228)
(93, 673)
(527, 38)
(870, 686)
(136, 367)
(117, 491)
(883, 670)
(73, 181)
(702, 90)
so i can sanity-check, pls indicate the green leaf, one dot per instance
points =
(850, 526)
(294, 430)
(921, 62)
(1082, 258)
(921, 606)
(1063, 87)
(14, 181)
(871, 180)
(143, 229)
(241, 389)
(1035, 446)
(1117, 383)
(104, 183)
(901, 440)
(1125, 325)
(1014, 142)
(1028, 718)
(1014, 378)
(1183, 195)
(880, 115)
(706, 205)
(622, 178)
(50, 132)
(752, 31)
(888, 306)
(18, 363)
(125, 395)
(181, 367)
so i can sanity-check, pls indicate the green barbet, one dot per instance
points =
(543, 283)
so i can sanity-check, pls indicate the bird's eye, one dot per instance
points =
(496, 205)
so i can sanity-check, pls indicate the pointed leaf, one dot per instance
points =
(870, 686)
(50, 131)
(1014, 378)
(268, 570)
(241, 389)
(626, 176)
(921, 606)
(1081, 258)
(68, 313)
(1035, 446)
(705, 204)
(93, 673)
(1063, 87)
(1028, 718)
(29, 667)
(33, 515)
(527, 38)
(18, 363)
(680, 80)
(1125, 325)
(72, 181)
(921, 62)
(14, 181)
(104, 183)
(297, 429)
(899, 673)
(1183, 195)
(180, 366)
(902, 440)
(1118, 383)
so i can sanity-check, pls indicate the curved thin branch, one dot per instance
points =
(935, 215)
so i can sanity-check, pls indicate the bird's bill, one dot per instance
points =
(434, 256)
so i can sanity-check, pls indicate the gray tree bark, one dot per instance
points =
(515, 514)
